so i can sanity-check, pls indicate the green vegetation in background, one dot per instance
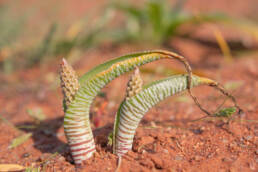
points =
(19, 140)
(15, 54)
(156, 21)
(44, 47)
(10, 29)
(84, 35)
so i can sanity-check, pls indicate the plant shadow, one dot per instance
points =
(101, 136)
(45, 135)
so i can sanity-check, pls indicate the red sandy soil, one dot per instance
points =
(167, 139)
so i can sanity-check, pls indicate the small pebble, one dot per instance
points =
(197, 131)
(248, 137)
(168, 128)
(172, 117)
(197, 158)
(252, 165)
(202, 128)
(165, 150)
(178, 158)
(225, 141)
(61, 158)
(26, 155)
(243, 145)
(227, 159)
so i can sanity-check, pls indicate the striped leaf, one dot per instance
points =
(132, 109)
(76, 121)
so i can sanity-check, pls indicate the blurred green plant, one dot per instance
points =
(43, 48)
(156, 21)
(233, 85)
(36, 114)
(19, 140)
(223, 46)
(83, 36)
(10, 27)
(80, 36)
(9, 31)
(33, 169)
(226, 112)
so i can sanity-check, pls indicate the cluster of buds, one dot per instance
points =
(69, 82)
(134, 85)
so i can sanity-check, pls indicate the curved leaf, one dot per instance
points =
(132, 110)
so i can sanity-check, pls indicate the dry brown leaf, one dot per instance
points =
(11, 167)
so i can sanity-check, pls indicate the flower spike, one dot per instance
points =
(134, 85)
(69, 82)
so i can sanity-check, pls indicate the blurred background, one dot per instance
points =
(219, 38)
(35, 33)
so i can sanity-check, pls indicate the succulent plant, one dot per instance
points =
(77, 106)
(79, 95)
